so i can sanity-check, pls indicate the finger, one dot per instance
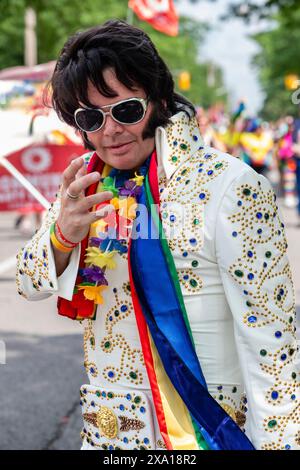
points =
(83, 182)
(98, 198)
(81, 172)
(70, 172)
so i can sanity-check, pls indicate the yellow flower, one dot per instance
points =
(127, 207)
(93, 293)
(138, 179)
(96, 257)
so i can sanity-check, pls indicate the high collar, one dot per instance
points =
(177, 142)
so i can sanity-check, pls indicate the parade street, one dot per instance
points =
(41, 355)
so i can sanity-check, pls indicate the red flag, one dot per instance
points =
(161, 14)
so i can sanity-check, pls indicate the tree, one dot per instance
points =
(60, 19)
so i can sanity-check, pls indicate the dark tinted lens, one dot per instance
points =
(89, 119)
(129, 112)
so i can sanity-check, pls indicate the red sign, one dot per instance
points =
(43, 166)
(161, 14)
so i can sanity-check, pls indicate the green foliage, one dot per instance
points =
(279, 56)
(58, 19)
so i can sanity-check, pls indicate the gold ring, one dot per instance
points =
(72, 196)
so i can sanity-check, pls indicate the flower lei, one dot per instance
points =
(112, 232)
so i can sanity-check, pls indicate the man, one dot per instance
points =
(188, 310)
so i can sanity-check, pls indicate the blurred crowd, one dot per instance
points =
(271, 148)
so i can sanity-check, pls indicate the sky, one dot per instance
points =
(228, 45)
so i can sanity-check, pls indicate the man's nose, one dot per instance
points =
(111, 127)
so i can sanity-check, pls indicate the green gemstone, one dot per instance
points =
(196, 221)
(246, 191)
(187, 181)
(110, 395)
(98, 393)
(268, 254)
(107, 345)
(291, 320)
(291, 351)
(278, 297)
(137, 400)
(104, 446)
(218, 165)
(239, 273)
(221, 397)
(174, 159)
(234, 390)
(183, 146)
(267, 216)
(294, 375)
(195, 263)
(133, 375)
(184, 171)
(165, 215)
(193, 283)
(263, 352)
(272, 423)
(248, 303)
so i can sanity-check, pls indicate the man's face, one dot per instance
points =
(120, 146)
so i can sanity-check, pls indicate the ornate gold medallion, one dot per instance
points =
(107, 422)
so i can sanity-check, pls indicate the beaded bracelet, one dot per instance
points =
(72, 244)
(56, 242)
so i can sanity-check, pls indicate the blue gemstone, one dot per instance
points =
(103, 394)
(142, 409)
(274, 395)
(122, 408)
(146, 440)
(207, 156)
(195, 138)
(172, 218)
(97, 435)
(200, 170)
(111, 447)
(45, 264)
(210, 172)
(193, 241)
(287, 447)
(179, 178)
(281, 292)
(265, 264)
(110, 318)
(111, 374)
(128, 396)
(283, 357)
(92, 403)
(220, 387)
(250, 276)
(184, 254)
(293, 397)
(200, 164)
(245, 292)
(259, 231)
(259, 215)
(239, 203)
(252, 319)
(234, 234)
(185, 277)
(250, 254)
(254, 195)
(125, 440)
(175, 143)
(278, 334)
(279, 232)
(81, 403)
(202, 195)
(92, 370)
(114, 290)
(124, 308)
(200, 148)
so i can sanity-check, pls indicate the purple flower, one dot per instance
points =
(94, 274)
(130, 189)
(94, 241)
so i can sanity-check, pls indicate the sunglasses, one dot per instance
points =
(130, 111)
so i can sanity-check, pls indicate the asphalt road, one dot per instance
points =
(41, 356)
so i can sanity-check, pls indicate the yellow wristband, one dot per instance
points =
(57, 244)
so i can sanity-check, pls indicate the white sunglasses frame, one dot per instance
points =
(143, 101)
